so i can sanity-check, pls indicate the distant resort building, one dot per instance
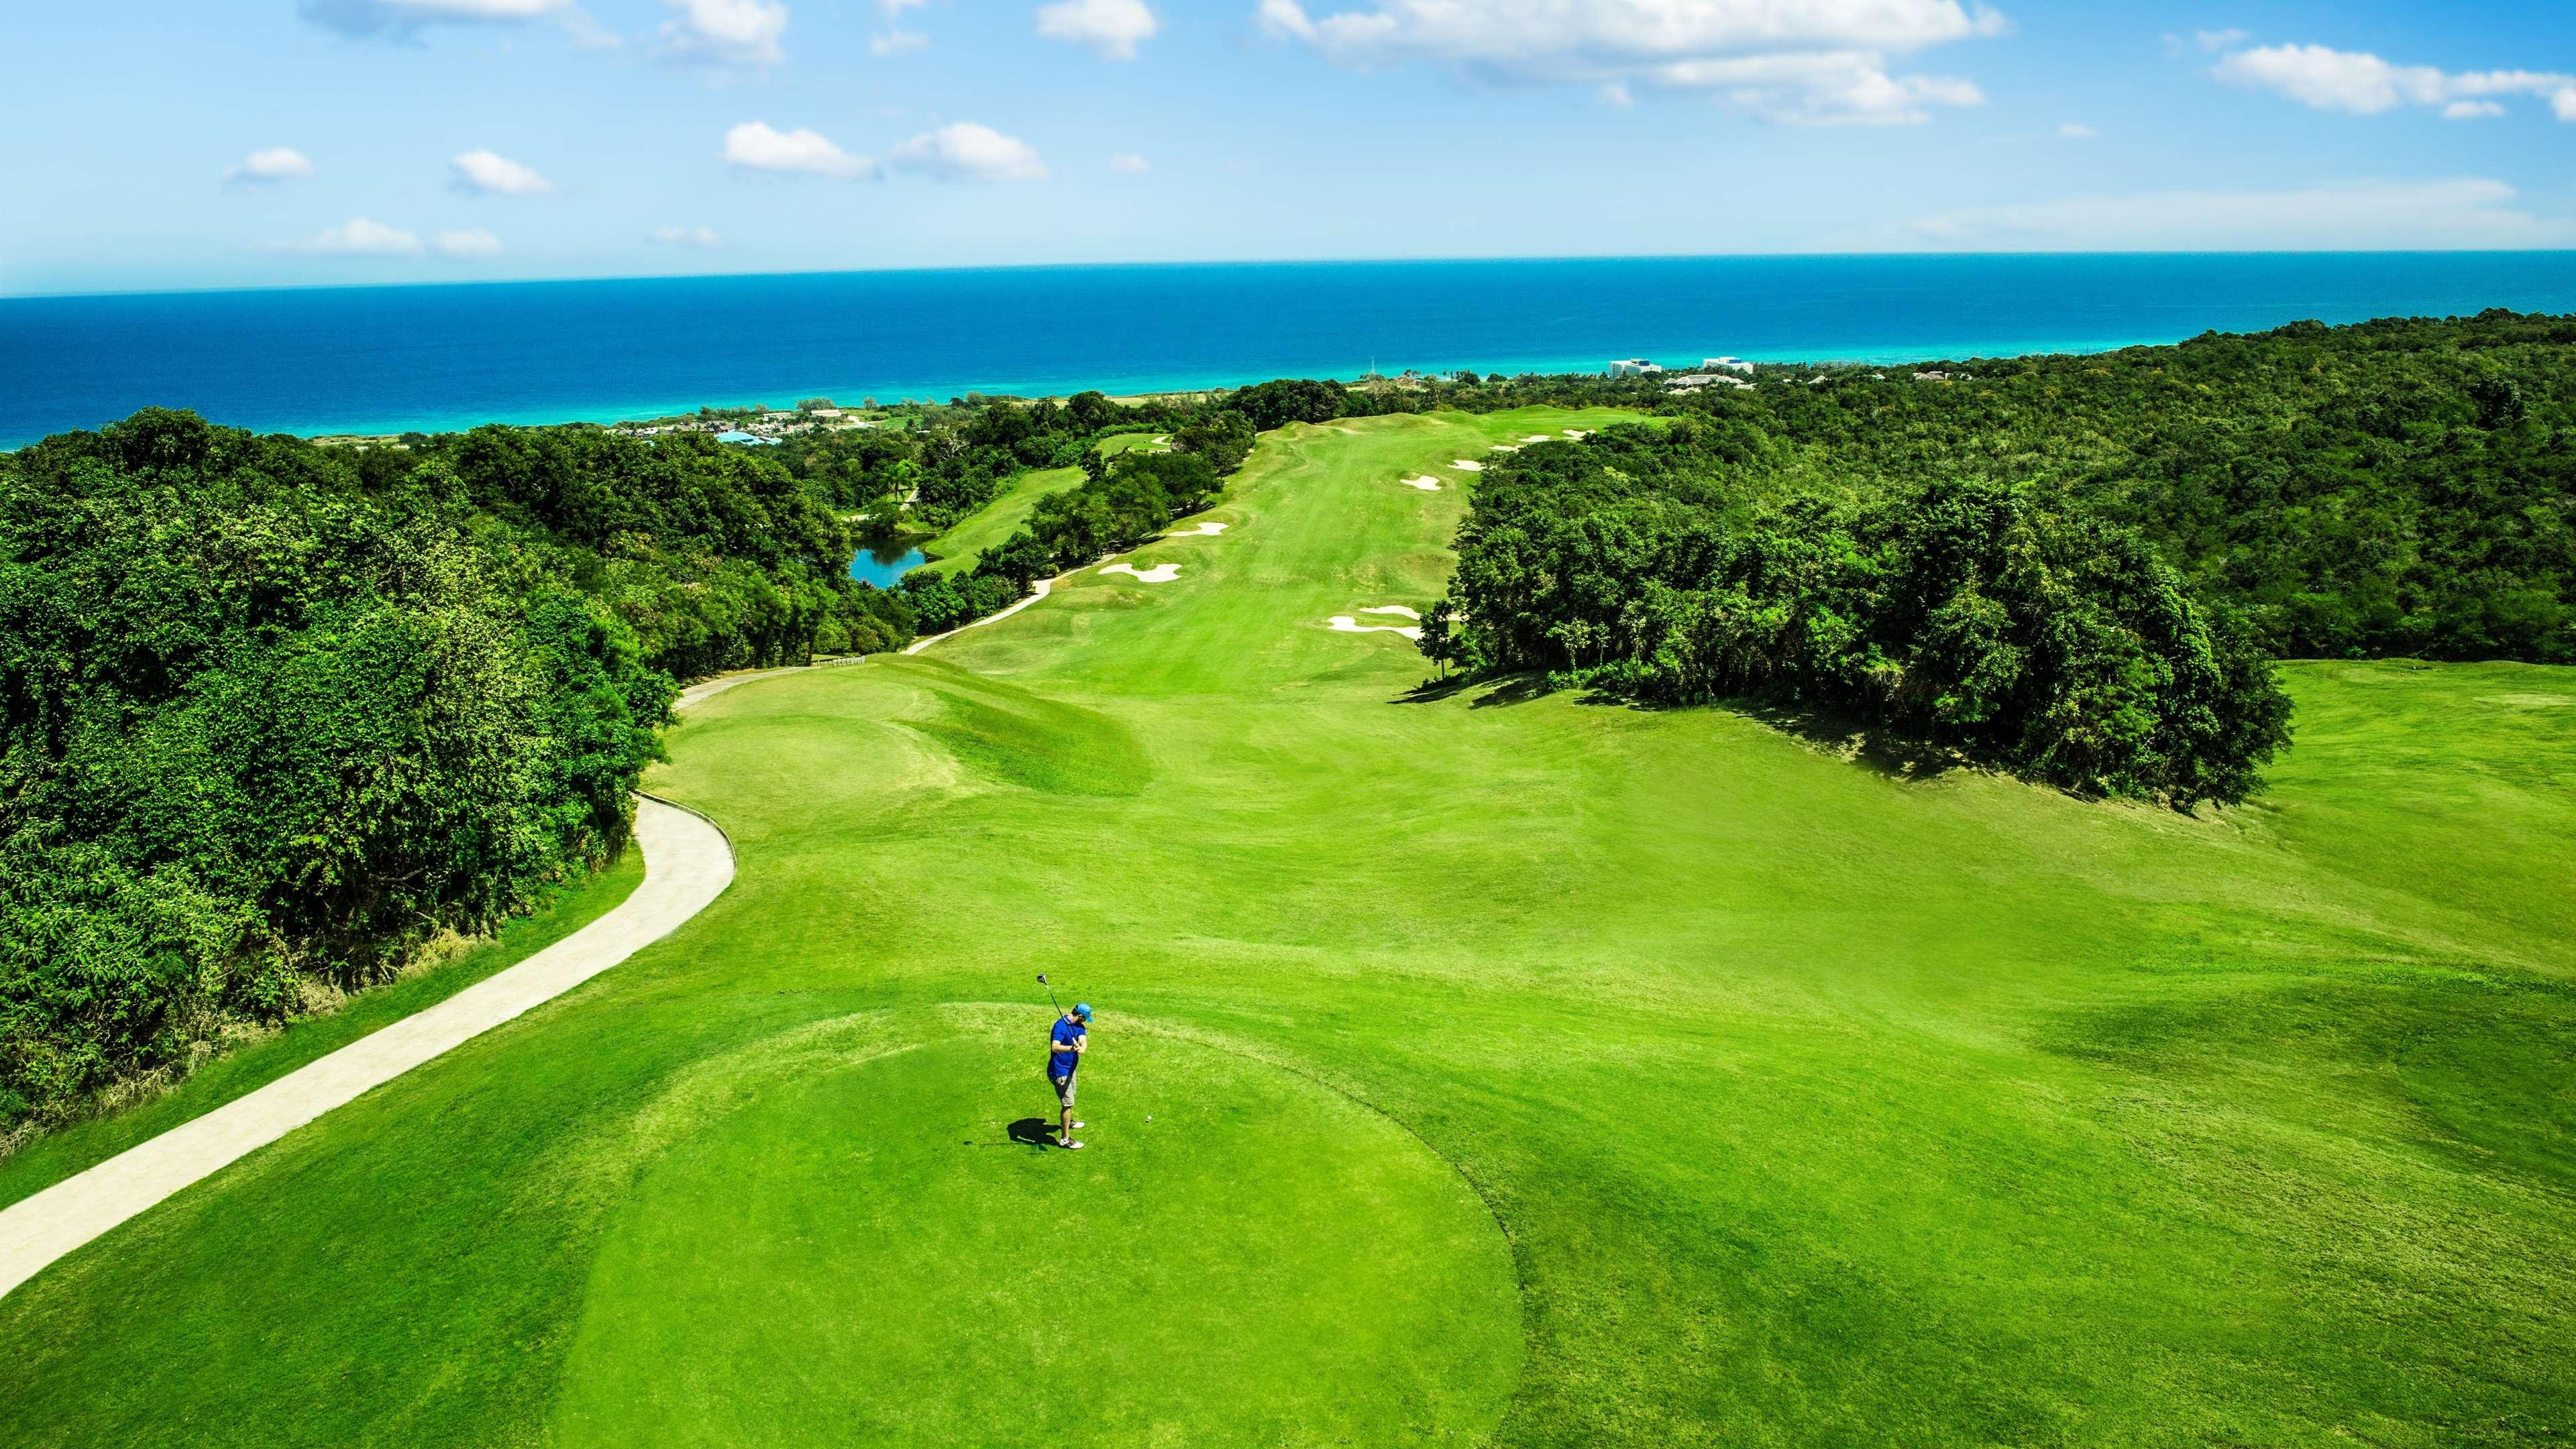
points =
(1725, 364)
(739, 436)
(1631, 367)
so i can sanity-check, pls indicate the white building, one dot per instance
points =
(1631, 367)
(1730, 364)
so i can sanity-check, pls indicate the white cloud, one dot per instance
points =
(701, 237)
(725, 32)
(895, 40)
(468, 245)
(1130, 162)
(2362, 83)
(358, 237)
(483, 173)
(2471, 110)
(965, 151)
(277, 163)
(1617, 96)
(1813, 63)
(2461, 213)
(2218, 39)
(1114, 28)
(2078, 131)
(756, 146)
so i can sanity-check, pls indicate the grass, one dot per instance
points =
(1522, 1071)
(994, 523)
(237, 1073)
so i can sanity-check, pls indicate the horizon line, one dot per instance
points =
(1352, 261)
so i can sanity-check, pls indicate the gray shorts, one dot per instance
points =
(1063, 1089)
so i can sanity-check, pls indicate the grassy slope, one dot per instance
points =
(959, 548)
(1812, 1106)
(75, 1148)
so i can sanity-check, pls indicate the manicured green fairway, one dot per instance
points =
(1522, 1070)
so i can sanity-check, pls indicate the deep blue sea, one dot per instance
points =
(388, 359)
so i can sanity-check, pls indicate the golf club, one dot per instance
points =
(1042, 981)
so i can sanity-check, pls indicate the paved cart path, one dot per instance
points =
(687, 864)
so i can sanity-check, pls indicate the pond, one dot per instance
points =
(885, 567)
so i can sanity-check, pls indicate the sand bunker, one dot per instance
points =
(1161, 573)
(1162, 439)
(1426, 483)
(1507, 447)
(1540, 438)
(1204, 530)
(1577, 433)
(1468, 465)
(1345, 624)
(1395, 609)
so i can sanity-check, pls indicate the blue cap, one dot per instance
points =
(1082, 1011)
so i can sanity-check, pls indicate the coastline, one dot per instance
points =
(437, 358)
(612, 411)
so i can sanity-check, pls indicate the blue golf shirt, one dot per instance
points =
(1068, 1033)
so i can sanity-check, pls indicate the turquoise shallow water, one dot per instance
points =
(387, 359)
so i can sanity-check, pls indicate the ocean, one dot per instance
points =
(392, 359)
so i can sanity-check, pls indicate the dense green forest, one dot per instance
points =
(273, 715)
(1994, 621)
(2073, 567)
(2399, 487)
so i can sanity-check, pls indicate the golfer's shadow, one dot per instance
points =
(1033, 1132)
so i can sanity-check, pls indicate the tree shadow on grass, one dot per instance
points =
(1873, 746)
(1508, 689)
(1889, 752)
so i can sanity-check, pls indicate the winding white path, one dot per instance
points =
(1037, 591)
(687, 864)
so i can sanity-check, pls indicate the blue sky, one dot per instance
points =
(278, 143)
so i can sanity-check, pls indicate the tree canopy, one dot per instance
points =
(274, 714)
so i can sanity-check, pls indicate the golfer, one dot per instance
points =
(1064, 1053)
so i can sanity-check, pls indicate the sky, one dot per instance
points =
(255, 143)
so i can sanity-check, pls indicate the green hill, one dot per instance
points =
(1521, 1069)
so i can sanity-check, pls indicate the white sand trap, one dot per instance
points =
(1345, 624)
(1161, 573)
(1426, 483)
(1468, 465)
(1414, 615)
(1507, 447)
(1540, 438)
(1577, 433)
(1165, 438)
(1204, 530)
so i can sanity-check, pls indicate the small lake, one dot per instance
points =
(885, 567)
